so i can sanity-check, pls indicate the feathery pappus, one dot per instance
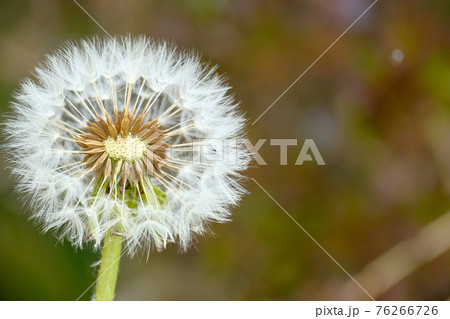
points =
(121, 135)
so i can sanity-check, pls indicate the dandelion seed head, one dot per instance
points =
(107, 136)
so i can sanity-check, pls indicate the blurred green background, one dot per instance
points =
(377, 106)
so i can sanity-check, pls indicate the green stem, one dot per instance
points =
(109, 268)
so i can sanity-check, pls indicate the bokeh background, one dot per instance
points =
(377, 106)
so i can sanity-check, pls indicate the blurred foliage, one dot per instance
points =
(381, 125)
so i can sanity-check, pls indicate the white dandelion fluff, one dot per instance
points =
(130, 136)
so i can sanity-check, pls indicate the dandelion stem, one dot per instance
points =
(109, 268)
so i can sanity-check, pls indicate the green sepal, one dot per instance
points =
(152, 195)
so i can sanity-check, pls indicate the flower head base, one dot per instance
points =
(128, 148)
(113, 135)
(123, 147)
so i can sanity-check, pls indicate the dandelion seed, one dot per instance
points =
(104, 142)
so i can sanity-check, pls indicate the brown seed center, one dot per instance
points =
(125, 148)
